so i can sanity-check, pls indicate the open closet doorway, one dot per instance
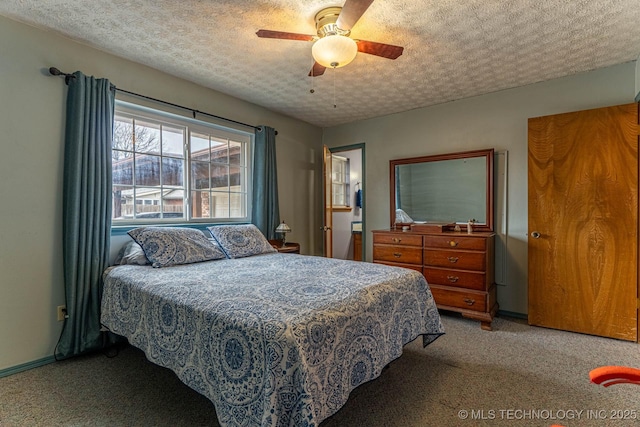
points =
(347, 202)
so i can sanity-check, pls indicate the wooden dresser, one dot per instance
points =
(459, 267)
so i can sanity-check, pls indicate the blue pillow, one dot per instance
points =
(165, 246)
(241, 240)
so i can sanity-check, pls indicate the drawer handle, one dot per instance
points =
(453, 259)
(397, 254)
(453, 279)
(396, 240)
(469, 301)
(453, 243)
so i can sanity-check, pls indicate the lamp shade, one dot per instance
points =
(334, 51)
(283, 228)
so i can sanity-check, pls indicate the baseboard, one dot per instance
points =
(26, 366)
(512, 314)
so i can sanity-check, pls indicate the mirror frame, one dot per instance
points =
(487, 154)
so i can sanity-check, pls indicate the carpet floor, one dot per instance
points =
(516, 375)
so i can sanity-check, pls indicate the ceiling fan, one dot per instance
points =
(332, 45)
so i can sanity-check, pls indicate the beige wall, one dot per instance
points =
(497, 120)
(637, 79)
(31, 152)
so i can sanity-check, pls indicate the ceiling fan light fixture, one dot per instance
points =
(334, 51)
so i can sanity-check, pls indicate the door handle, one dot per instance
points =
(535, 234)
(325, 228)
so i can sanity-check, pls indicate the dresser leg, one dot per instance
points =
(486, 326)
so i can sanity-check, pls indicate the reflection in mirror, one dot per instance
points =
(451, 188)
(425, 190)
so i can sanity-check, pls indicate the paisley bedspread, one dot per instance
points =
(275, 339)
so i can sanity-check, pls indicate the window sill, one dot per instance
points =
(341, 208)
(122, 229)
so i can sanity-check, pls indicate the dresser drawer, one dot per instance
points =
(398, 239)
(469, 300)
(464, 260)
(400, 254)
(456, 278)
(455, 242)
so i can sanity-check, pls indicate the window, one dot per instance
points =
(340, 180)
(168, 168)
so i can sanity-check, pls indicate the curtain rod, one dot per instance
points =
(56, 72)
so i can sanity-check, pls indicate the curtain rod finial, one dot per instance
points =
(54, 71)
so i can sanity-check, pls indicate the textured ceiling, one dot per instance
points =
(453, 49)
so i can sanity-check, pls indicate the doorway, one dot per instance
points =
(346, 203)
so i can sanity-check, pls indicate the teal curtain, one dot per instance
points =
(86, 209)
(265, 210)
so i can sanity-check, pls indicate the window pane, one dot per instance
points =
(219, 150)
(121, 202)
(147, 170)
(144, 202)
(122, 134)
(200, 175)
(338, 195)
(237, 201)
(122, 168)
(146, 137)
(173, 203)
(220, 205)
(172, 171)
(219, 177)
(200, 204)
(199, 146)
(235, 153)
(172, 141)
(235, 178)
(338, 169)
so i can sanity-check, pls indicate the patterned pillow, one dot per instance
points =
(131, 253)
(242, 240)
(165, 246)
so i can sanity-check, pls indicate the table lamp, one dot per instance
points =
(283, 229)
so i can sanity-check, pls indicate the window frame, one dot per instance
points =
(190, 125)
(344, 184)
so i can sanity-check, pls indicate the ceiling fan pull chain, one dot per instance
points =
(312, 90)
(334, 87)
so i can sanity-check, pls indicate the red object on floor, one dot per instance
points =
(610, 375)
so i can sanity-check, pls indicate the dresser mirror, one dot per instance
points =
(447, 188)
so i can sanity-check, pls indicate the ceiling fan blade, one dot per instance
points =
(380, 49)
(317, 70)
(351, 12)
(268, 34)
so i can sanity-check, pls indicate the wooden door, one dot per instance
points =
(583, 221)
(327, 188)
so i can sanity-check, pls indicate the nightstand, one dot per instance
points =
(289, 247)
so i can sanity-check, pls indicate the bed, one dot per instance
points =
(272, 339)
